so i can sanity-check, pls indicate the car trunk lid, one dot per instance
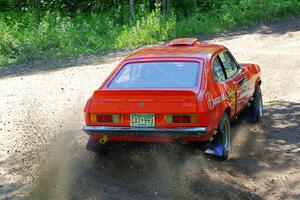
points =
(144, 101)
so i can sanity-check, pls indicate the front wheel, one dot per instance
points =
(256, 108)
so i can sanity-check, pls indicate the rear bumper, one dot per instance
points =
(146, 132)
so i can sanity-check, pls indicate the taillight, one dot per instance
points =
(181, 119)
(105, 118)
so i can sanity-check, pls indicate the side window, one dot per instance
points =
(228, 63)
(218, 72)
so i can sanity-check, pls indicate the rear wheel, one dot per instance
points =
(103, 150)
(223, 136)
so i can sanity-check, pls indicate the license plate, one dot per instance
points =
(142, 120)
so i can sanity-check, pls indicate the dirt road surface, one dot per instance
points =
(42, 147)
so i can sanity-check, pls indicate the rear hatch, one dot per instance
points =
(143, 101)
(147, 94)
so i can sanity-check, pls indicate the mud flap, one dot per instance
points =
(92, 145)
(216, 149)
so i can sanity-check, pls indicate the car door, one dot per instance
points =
(235, 79)
(226, 88)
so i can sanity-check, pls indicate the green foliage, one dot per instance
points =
(230, 16)
(24, 38)
(149, 29)
(68, 28)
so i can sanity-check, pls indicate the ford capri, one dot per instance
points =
(184, 91)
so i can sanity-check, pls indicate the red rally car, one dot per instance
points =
(184, 91)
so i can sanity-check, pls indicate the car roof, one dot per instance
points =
(182, 47)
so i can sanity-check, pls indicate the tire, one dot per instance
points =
(223, 136)
(256, 107)
(103, 150)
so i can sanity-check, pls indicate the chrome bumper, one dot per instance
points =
(146, 132)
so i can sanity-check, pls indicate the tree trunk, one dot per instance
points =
(38, 7)
(132, 15)
(164, 7)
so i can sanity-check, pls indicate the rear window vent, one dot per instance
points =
(184, 42)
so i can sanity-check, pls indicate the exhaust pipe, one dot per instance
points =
(103, 140)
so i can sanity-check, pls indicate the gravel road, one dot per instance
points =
(42, 147)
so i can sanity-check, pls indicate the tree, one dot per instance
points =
(132, 14)
(164, 7)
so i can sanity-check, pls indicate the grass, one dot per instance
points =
(244, 14)
(26, 36)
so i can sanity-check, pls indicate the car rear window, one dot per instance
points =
(157, 75)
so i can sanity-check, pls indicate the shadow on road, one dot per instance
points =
(279, 28)
(53, 64)
(271, 148)
(175, 171)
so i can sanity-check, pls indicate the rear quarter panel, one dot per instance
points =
(253, 76)
(209, 108)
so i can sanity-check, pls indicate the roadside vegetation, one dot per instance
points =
(35, 29)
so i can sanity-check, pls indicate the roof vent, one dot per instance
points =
(184, 42)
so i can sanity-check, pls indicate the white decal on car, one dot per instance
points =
(212, 102)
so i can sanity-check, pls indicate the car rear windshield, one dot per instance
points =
(157, 75)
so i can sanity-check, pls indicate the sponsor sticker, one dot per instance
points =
(212, 102)
(209, 100)
(232, 97)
